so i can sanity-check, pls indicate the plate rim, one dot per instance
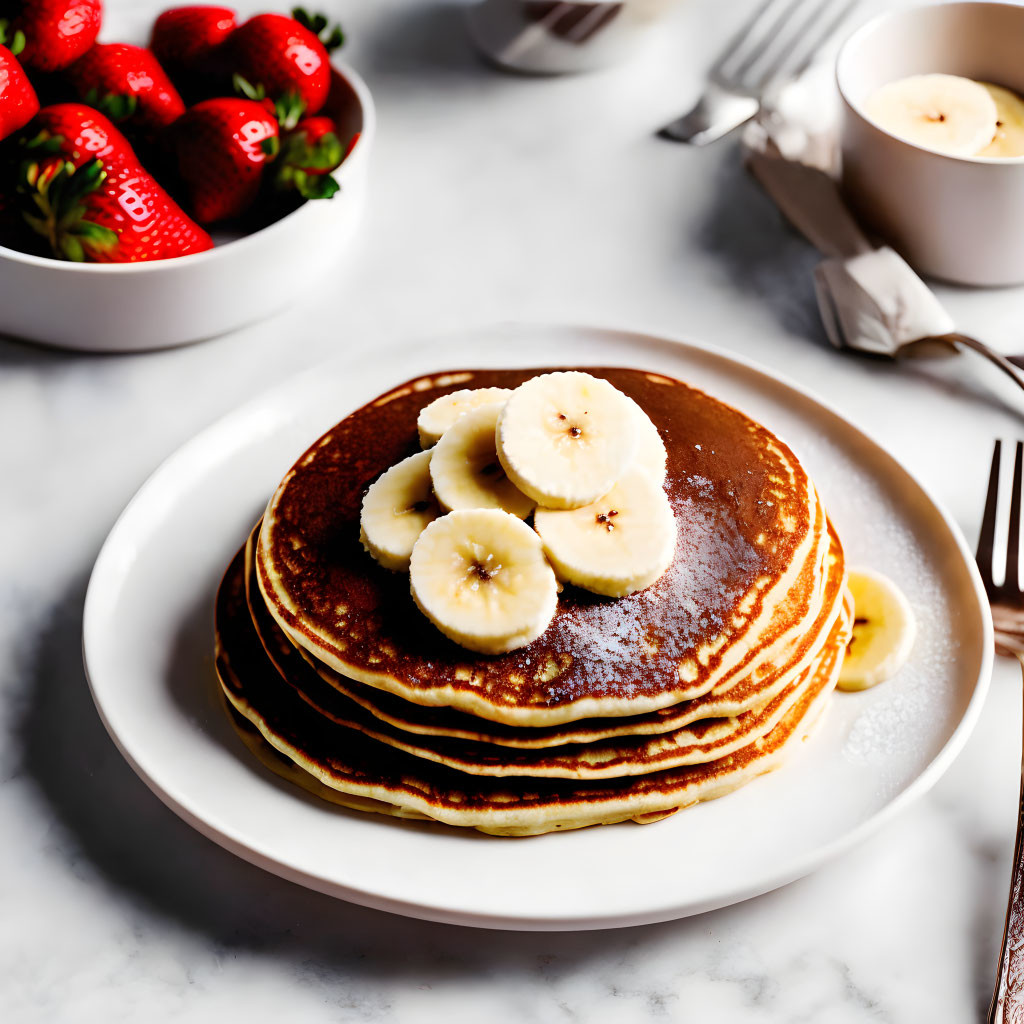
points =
(229, 838)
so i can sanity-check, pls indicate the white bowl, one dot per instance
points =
(956, 218)
(139, 306)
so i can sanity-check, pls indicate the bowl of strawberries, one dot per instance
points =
(158, 195)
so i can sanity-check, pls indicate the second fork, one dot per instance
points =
(777, 43)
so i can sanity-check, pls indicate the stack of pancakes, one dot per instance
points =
(626, 708)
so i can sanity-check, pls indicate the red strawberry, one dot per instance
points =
(223, 146)
(309, 153)
(285, 56)
(92, 199)
(18, 100)
(127, 82)
(57, 32)
(187, 38)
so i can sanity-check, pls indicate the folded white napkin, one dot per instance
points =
(874, 302)
(869, 297)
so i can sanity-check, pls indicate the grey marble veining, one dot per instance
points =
(494, 198)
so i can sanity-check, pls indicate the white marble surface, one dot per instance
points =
(494, 198)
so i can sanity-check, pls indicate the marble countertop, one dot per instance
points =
(494, 198)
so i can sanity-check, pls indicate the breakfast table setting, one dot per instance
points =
(769, 219)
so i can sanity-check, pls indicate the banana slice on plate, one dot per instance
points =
(616, 546)
(564, 438)
(396, 508)
(434, 419)
(465, 469)
(1009, 138)
(883, 631)
(650, 454)
(944, 113)
(481, 577)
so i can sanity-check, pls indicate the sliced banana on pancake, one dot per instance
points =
(564, 438)
(434, 419)
(943, 113)
(465, 469)
(481, 577)
(616, 546)
(1009, 137)
(883, 631)
(650, 454)
(396, 508)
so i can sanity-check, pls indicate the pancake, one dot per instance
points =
(746, 583)
(706, 739)
(289, 770)
(375, 776)
(579, 750)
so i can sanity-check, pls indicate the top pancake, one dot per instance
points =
(748, 521)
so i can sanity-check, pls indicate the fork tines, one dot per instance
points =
(986, 539)
(780, 39)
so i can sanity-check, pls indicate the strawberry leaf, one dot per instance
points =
(71, 249)
(243, 87)
(289, 110)
(323, 155)
(37, 224)
(315, 186)
(117, 106)
(96, 235)
(14, 41)
(334, 40)
(318, 24)
(44, 143)
(58, 191)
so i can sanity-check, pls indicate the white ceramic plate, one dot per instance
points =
(148, 641)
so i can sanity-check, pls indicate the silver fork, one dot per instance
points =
(777, 43)
(1007, 601)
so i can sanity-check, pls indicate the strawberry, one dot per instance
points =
(18, 100)
(309, 153)
(92, 200)
(127, 82)
(57, 32)
(186, 39)
(285, 56)
(223, 146)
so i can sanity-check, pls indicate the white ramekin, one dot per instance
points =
(956, 218)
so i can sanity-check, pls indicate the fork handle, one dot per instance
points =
(981, 348)
(716, 114)
(1008, 999)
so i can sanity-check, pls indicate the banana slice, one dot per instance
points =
(1009, 139)
(616, 546)
(650, 454)
(465, 469)
(883, 631)
(565, 438)
(481, 577)
(396, 508)
(436, 418)
(943, 113)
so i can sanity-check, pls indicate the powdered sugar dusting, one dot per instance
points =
(711, 551)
